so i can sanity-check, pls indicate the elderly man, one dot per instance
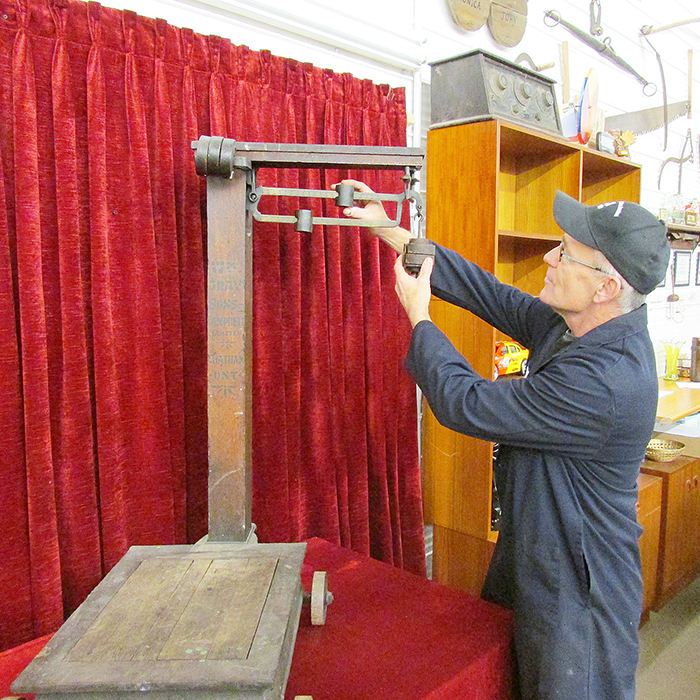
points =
(572, 435)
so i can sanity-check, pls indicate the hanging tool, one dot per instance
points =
(663, 91)
(525, 58)
(604, 48)
(648, 29)
(682, 159)
(646, 120)
(595, 10)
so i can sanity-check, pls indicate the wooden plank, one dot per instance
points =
(462, 217)
(163, 625)
(118, 630)
(460, 560)
(223, 614)
(181, 609)
(554, 237)
(649, 517)
(240, 622)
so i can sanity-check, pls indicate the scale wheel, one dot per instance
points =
(321, 598)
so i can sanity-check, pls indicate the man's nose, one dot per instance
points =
(551, 257)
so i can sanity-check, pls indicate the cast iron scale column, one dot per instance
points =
(218, 619)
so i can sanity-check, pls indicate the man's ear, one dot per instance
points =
(607, 290)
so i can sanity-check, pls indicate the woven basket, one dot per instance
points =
(664, 450)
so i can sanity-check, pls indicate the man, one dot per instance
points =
(572, 435)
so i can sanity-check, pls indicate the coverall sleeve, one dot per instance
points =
(568, 407)
(515, 313)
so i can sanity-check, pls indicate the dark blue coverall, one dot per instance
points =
(572, 435)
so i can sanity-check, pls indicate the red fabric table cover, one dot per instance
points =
(389, 635)
(14, 661)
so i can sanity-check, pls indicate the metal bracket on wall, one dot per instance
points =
(232, 204)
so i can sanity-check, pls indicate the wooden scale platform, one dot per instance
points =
(202, 622)
(217, 619)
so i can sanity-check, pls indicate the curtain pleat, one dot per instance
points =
(146, 395)
(104, 269)
(103, 362)
(167, 260)
(17, 620)
(189, 195)
(31, 211)
(73, 436)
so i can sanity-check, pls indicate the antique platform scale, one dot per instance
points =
(217, 619)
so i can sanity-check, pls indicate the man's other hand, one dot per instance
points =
(414, 292)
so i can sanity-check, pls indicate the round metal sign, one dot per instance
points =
(470, 14)
(507, 21)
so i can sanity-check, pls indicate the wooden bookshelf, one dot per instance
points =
(490, 190)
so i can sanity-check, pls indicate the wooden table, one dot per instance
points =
(681, 402)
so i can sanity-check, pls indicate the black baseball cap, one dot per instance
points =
(629, 236)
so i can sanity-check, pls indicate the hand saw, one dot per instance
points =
(646, 120)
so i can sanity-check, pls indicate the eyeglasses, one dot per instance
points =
(562, 254)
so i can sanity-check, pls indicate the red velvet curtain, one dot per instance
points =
(103, 308)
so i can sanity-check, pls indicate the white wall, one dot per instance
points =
(393, 41)
(619, 92)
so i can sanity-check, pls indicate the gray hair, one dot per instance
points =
(629, 298)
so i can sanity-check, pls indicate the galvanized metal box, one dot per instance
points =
(478, 85)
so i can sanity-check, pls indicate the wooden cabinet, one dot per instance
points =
(649, 517)
(490, 190)
(679, 549)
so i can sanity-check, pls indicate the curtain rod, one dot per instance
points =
(376, 44)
